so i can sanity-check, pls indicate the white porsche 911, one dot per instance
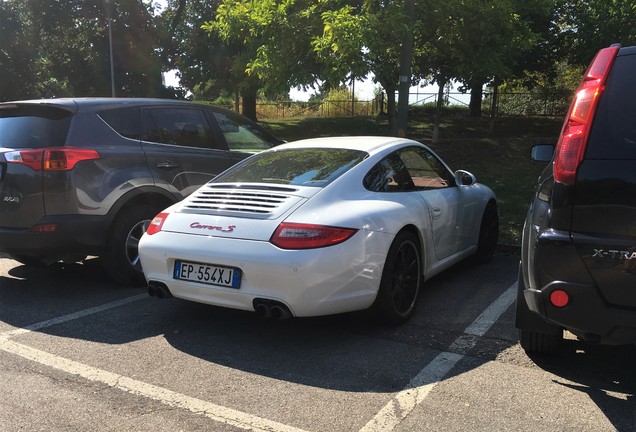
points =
(321, 226)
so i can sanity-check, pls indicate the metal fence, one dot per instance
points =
(507, 104)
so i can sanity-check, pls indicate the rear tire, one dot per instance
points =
(121, 259)
(539, 343)
(536, 336)
(488, 234)
(401, 279)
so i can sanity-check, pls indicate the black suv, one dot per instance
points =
(82, 177)
(578, 258)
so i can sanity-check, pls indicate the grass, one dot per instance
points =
(496, 152)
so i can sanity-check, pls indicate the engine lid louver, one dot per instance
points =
(251, 202)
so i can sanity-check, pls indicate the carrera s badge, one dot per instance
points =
(197, 225)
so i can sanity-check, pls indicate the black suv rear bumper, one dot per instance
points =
(74, 234)
(587, 316)
(557, 265)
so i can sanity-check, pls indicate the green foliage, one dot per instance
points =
(588, 25)
(340, 102)
(17, 53)
(61, 47)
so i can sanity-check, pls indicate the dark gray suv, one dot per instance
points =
(82, 177)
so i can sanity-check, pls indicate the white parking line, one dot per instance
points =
(73, 316)
(400, 406)
(215, 412)
(403, 403)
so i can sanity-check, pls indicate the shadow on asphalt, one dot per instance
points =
(349, 352)
(605, 373)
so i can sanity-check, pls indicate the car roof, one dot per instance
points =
(100, 103)
(368, 144)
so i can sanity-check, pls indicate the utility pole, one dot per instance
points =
(405, 70)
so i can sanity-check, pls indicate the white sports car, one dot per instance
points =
(321, 226)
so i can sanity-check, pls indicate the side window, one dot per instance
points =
(425, 170)
(388, 175)
(241, 135)
(181, 126)
(125, 121)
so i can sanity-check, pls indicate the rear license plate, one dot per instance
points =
(208, 274)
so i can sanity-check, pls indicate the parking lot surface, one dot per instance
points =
(78, 352)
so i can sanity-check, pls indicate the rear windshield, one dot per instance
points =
(33, 126)
(307, 167)
(613, 134)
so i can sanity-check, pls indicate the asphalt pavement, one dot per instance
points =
(79, 353)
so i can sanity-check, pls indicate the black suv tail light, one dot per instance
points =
(576, 128)
(51, 159)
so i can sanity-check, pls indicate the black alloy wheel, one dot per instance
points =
(401, 278)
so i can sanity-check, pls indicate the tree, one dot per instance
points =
(269, 42)
(66, 44)
(589, 25)
(202, 60)
(487, 41)
(17, 54)
(362, 39)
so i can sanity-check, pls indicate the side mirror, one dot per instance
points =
(464, 178)
(542, 153)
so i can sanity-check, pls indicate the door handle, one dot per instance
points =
(437, 212)
(167, 164)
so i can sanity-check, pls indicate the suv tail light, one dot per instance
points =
(308, 236)
(51, 159)
(576, 128)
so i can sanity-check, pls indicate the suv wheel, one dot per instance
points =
(535, 335)
(539, 343)
(122, 254)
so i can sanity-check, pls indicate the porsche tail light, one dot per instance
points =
(51, 159)
(156, 223)
(576, 128)
(309, 236)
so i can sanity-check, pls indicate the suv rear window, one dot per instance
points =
(613, 134)
(33, 126)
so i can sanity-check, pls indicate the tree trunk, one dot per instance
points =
(248, 108)
(475, 98)
(391, 109)
(494, 106)
(441, 82)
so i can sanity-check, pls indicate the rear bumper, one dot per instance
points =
(74, 234)
(587, 315)
(312, 282)
(551, 261)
